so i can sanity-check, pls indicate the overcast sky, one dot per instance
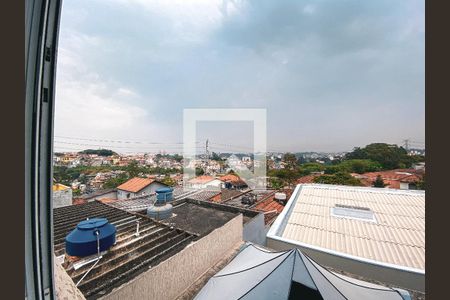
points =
(332, 74)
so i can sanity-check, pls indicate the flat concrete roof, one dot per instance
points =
(198, 219)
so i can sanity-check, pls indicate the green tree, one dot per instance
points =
(290, 160)
(421, 184)
(354, 166)
(177, 157)
(101, 152)
(133, 169)
(199, 171)
(112, 183)
(276, 183)
(310, 167)
(287, 176)
(340, 178)
(379, 182)
(388, 156)
(216, 157)
(169, 181)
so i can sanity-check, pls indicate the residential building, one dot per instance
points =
(149, 260)
(97, 195)
(231, 181)
(62, 195)
(136, 187)
(204, 182)
(404, 179)
(193, 211)
(371, 232)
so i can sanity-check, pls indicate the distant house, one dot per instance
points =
(62, 195)
(138, 187)
(403, 179)
(203, 182)
(97, 195)
(307, 179)
(231, 181)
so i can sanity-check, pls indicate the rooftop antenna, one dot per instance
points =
(206, 149)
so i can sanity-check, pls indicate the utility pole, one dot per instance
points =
(206, 149)
(406, 144)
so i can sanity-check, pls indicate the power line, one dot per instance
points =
(126, 147)
(119, 141)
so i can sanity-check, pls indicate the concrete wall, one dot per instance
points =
(172, 277)
(150, 189)
(62, 198)
(64, 286)
(404, 279)
(255, 230)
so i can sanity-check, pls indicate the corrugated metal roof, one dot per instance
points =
(143, 203)
(398, 236)
(128, 257)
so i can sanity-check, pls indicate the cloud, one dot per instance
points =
(332, 74)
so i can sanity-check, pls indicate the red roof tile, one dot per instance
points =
(202, 179)
(307, 179)
(391, 178)
(269, 204)
(135, 184)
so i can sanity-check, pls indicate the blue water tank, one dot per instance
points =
(164, 195)
(82, 241)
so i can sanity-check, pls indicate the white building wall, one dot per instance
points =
(62, 198)
(150, 189)
(404, 186)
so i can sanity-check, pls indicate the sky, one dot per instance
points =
(332, 75)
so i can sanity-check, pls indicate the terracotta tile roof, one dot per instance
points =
(270, 217)
(76, 201)
(217, 198)
(390, 174)
(307, 179)
(229, 178)
(202, 179)
(135, 184)
(391, 178)
(269, 204)
(411, 178)
(233, 179)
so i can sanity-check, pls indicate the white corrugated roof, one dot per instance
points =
(397, 237)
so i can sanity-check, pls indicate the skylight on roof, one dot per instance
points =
(353, 212)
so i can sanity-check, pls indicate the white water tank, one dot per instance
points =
(280, 196)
